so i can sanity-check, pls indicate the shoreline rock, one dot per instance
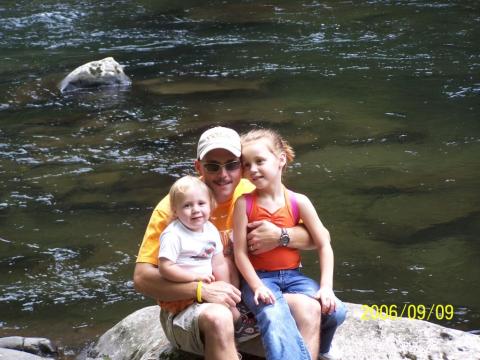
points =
(140, 337)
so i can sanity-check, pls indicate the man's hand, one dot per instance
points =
(221, 292)
(327, 300)
(262, 236)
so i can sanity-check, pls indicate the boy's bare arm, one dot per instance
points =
(173, 272)
(148, 281)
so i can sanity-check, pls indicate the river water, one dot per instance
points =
(380, 100)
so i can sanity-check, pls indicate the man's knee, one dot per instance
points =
(216, 319)
(306, 310)
(310, 312)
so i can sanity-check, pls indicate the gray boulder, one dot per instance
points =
(402, 339)
(9, 354)
(105, 72)
(140, 337)
(33, 345)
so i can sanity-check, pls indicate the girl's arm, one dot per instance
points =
(321, 239)
(172, 272)
(241, 256)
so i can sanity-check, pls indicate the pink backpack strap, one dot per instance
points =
(249, 203)
(294, 206)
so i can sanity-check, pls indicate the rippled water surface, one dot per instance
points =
(380, 100)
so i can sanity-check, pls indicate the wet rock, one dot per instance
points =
(33, 345)
(184, 87)
(8, 354)
(105, 72)
(140, 336)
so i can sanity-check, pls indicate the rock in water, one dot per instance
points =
(8, 354)
(33, 345)
(105, 72)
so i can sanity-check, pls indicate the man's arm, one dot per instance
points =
(148, 281)
(264, 236)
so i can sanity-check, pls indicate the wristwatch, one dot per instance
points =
(284, 238)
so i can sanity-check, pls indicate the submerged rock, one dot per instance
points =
(184, 87)
(140, 337)
(105, 72)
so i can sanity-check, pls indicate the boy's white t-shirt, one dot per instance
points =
(189, 249)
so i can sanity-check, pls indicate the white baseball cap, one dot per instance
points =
(219, 138)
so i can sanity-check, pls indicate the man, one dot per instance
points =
(211, 331)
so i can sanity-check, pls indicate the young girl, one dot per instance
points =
(191, 249)
(269, 275)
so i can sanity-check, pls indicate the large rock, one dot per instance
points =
(105, 72)
(402, 339)
(140, 337)
(8, 354)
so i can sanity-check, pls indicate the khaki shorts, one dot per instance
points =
(182, 329)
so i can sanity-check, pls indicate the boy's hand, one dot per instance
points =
(265, 295)
(206, 279)
(327, 300)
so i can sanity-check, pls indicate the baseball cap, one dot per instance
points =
(219, 138)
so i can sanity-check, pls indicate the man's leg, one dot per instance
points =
(329, 323)
(305, 308)
(204, 329)
(216, 328)
(307, 314)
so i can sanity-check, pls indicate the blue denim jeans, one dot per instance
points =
(280, 336)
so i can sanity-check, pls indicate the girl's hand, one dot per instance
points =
(327, 300)
(265, 295)
(206, 279)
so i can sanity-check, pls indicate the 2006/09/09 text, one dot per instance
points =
(410, 311)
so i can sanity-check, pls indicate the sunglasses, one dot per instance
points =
(214, 167)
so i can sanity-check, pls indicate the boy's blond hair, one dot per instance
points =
(185, 183)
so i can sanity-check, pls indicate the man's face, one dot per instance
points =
(225, 179)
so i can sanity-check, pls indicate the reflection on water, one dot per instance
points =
(380, 101)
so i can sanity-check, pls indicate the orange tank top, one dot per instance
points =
(280, 258)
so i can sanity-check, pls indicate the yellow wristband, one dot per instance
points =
(199, 291)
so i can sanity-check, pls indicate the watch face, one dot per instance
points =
(284, 239)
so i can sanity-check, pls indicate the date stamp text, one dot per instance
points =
(410, 311)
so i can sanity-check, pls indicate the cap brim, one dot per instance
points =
(236, 152)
